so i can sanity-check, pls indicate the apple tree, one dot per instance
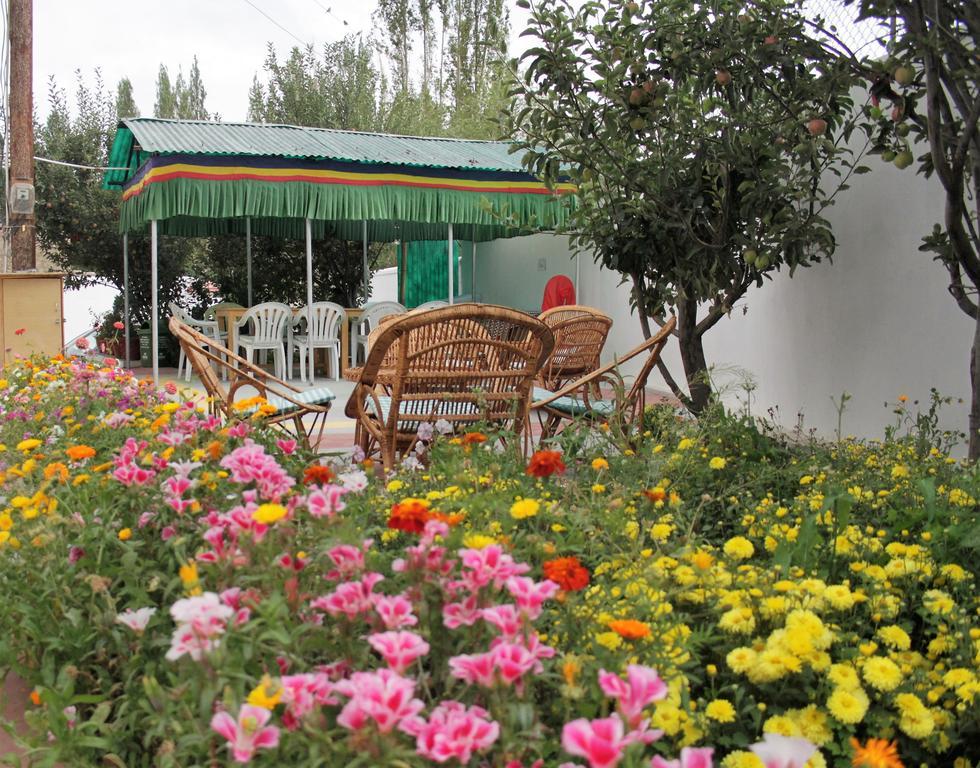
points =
(706, 139)
(926, 94)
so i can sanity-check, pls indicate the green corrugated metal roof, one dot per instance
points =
(154, 135)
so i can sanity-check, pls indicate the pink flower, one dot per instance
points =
(118, 325)
(488, 565)
(326, 501)
(384, 697)
(351, 598)
(81, 343)
(530, 595)
(777, 751)
(349, 560)
(641, 688)
(464, 613)
(136, 620)
(475, 669)
(399, 648)
(248, 733)
(512, 661)
(601, 742)
(395, 611)
(455, 732)
(250, 463)
(691, 757)
(504, 618)
(302, 694)
(286, 446)
(200, 620)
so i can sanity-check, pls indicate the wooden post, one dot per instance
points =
(21, 104)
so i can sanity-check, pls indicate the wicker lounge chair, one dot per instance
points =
(579, 339)
(583, 398)
(292, 406)
(465, 364)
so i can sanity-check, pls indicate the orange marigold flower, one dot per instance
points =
(317, 474)
(471, 438)
(57, 470)
(410, 515)
(36, 698)
(877, 753)
(215, 449)
(567, 572)
(79, 452)
(631, 629)
(545, 464)
(655, 494)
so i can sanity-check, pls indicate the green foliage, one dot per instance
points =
(704, 139)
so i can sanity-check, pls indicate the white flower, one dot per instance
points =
(354, 481)
(443, 427)
(425, 431)
(136, 620)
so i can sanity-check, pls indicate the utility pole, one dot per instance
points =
(20, 197)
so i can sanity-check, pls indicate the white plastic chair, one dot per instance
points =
(269, 322)
(367, 321)
(208, 327)
(327, 318)
(437, 304)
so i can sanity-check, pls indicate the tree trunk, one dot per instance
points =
(692, 356)
(975, 388)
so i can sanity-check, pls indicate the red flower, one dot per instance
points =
(118, 325)
(567, 572)
(409, 515)
(20, 331)
(545, 464)
(317, 474)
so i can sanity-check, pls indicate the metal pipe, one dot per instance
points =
(309, 294)
(154, 310)
(451, 265)
(126, 295)
(364, 267)
(473, 273)
(578, 299)
(248, 255)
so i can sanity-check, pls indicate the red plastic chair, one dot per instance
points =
(558, 292)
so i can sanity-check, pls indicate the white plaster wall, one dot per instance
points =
(384, 285)
(876, 323)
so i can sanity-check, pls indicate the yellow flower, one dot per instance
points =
(478, 540)
(609, 640)
(125, 534)
(720, 710)
(266, 694)
(717, 462)
(189, 578)
(741, 759)
(524, 508)
(848, 705)
(895, 637)
(28, 445)
(684, 444)
(599, 464)
(598, 488)
(268, 514)
(395, 486)
(739, 548)
(882, 673)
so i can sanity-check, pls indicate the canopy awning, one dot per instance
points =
(207, 178)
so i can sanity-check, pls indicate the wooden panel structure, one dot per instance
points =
(32, 303)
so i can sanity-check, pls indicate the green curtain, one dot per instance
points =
(426, 275)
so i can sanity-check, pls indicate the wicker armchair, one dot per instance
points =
(465, 364)
(291, 405)
(579, 339)
(582, 399)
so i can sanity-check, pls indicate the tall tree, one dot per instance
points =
(166, 101)
(702, 137)
(78, 221)
(190, 95)
(931, 79)
(125, 103)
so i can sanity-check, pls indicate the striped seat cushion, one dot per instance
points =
(314, 396)
(432, 409)
(575, 407)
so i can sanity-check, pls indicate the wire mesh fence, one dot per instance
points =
(840, 21)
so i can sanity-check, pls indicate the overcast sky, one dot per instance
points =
(132, 38)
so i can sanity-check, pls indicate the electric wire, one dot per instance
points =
(297, 39)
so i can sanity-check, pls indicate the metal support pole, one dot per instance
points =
(473, 273)
(154, 309)
(309, 295)
(452, 266)
(126, 294)
(364, 267)
(578, 298)
(248, 256)
(403, 276)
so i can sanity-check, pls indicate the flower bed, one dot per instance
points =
(180, 593)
